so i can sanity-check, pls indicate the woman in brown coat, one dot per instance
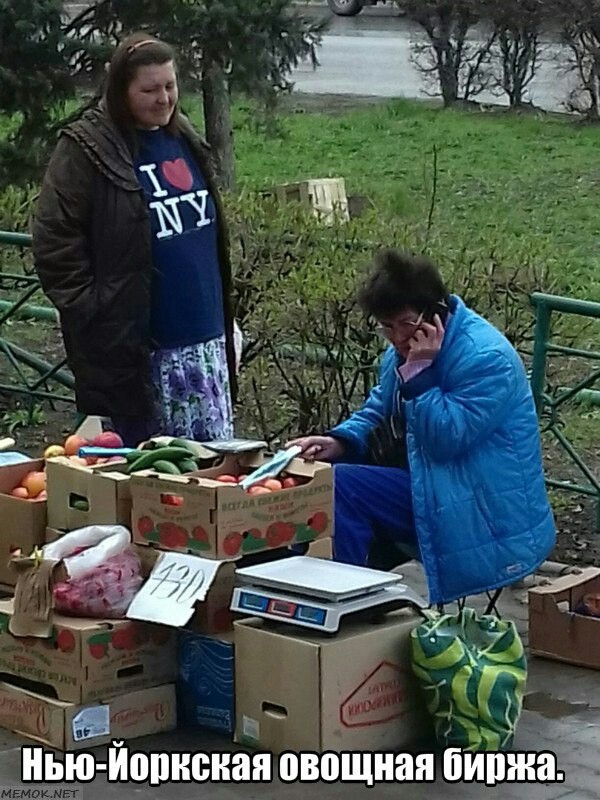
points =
(131, 247)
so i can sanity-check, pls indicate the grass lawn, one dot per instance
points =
(510, 183)
(515, 190)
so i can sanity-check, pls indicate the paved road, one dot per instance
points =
(370, 54)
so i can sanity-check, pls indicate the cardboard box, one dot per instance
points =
(196, 513)
(308, 692)
(212, 614)
(205, 687)
(106, 489)
(22, 522)
(322, 548)
(555, 630)
(89, 659)
(66, 726)
(52, 534)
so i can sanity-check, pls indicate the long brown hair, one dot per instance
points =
(137, 50)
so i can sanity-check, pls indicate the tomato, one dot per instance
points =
(273, 484)
(226, 478)
(199, 534)
(318, 522)
(232, 543)
(255, 490)
(65, 641)
(145, 525)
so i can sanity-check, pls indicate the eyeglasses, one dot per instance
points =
(405, 326)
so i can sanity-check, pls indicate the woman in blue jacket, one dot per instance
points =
(443, 460)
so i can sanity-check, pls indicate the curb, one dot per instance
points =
(556, 569)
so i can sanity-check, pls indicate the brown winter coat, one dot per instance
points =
(93, 253)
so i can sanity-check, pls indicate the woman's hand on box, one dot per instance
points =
(320, 448)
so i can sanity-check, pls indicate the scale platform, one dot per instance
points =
(315, 593)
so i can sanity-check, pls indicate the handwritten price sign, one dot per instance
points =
(177, 582)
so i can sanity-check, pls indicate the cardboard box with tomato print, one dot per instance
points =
(69, 726)
(199, 514)
(88, 659)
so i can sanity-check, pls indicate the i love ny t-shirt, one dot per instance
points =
(187, 292)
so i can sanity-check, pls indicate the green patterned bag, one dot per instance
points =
(473, 672)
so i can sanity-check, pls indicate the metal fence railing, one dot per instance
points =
(52, 382)
(550, 404)
(26, 374)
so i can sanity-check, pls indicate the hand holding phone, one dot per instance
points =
(427, 341)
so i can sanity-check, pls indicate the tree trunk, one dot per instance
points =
(217, 119)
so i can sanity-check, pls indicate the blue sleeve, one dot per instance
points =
(447, 423)
(354, 431)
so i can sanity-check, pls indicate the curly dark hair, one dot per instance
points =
(398, 281)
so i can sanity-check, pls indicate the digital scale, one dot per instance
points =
(316, 593)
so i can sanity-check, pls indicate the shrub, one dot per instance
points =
(309, 355)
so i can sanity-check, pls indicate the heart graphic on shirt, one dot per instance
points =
(178, 174)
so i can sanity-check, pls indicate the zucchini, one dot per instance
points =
(183, 445)
(134, 455)
(166, 467)
(187, 465)
(149, 458)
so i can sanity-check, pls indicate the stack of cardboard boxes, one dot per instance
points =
(93, 680)
(283, 687)
(219, 522)
(90, 681)
(181, 658)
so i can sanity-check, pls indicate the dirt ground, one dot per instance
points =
(577, 543)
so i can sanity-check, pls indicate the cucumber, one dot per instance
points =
(134, 455)
(166, 467)
(149, 458)
(183, 445)
(187, 465)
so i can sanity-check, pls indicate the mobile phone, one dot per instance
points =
(441, 309)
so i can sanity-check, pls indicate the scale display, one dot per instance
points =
(316, 614)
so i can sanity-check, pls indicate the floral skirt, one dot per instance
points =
(193, 397)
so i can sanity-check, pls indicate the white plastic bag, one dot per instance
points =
(104, 572)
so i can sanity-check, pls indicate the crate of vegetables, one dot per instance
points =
(23, 509)
(210, 514)
(94, 490)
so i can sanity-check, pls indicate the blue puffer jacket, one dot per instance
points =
(481, 511)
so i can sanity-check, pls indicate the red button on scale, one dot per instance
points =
(281, 608)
